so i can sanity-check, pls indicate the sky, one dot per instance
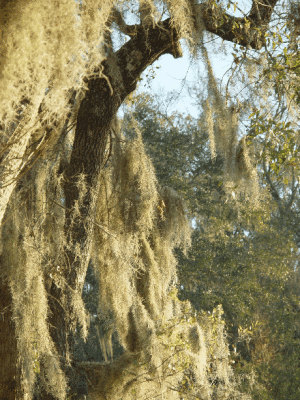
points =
(177, 74)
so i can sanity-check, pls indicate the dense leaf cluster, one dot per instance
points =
(242, 256)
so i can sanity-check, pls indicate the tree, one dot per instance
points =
(240, 255)
(62, 157)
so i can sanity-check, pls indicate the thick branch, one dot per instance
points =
(101, 376)
(244, 31)
(117, 17)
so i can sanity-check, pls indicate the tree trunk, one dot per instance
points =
(8, 347)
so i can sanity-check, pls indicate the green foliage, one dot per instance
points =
(241, 254)
(173, 144)
(279, 143)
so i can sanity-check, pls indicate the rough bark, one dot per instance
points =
(8, 346)
(234, 29)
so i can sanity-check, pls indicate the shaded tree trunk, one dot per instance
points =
(96, 115)
(8, 347)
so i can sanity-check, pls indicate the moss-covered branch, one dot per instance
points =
(247, 31)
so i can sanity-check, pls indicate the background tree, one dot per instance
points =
(238, 256)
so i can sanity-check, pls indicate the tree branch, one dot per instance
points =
(247, 31)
